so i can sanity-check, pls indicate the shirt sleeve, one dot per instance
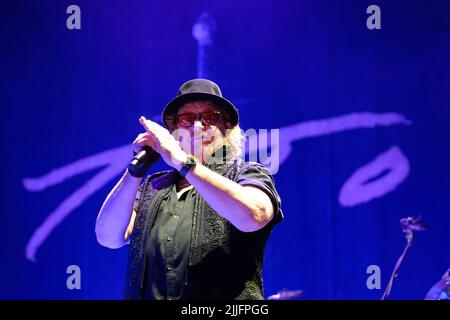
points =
(257, 175)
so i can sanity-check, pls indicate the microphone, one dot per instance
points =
(142, 161)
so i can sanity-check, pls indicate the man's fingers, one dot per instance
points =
(150, 127)
(143, 139)
(155, 130)
(139, 137)
(161, 136)
(147, 124)
(142, 120)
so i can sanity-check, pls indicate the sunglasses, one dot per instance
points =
(207, 118)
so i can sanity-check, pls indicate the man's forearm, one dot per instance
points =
(247, 208)
(115, 214)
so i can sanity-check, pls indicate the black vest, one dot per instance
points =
(224, 263)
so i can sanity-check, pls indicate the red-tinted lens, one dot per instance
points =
(188, 119)
(210, 118)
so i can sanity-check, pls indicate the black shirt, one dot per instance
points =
(168, 246)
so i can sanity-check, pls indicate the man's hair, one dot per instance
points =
(235, 139)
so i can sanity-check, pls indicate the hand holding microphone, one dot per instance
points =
(165, 144)
(144, 155)
(156, 142)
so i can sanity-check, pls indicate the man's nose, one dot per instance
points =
(197, 129)
(198, 125)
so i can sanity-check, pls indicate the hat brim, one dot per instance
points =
(173, 106)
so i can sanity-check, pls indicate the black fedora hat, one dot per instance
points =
(198, 90)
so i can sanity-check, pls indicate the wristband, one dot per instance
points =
(190, 162)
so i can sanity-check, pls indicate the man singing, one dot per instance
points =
(197, 231)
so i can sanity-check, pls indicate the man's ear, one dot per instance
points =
(227, 125)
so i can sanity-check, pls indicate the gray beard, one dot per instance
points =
(204, 153)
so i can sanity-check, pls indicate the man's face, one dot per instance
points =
(201, 138)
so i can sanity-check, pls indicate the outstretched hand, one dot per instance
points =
(164, 143)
